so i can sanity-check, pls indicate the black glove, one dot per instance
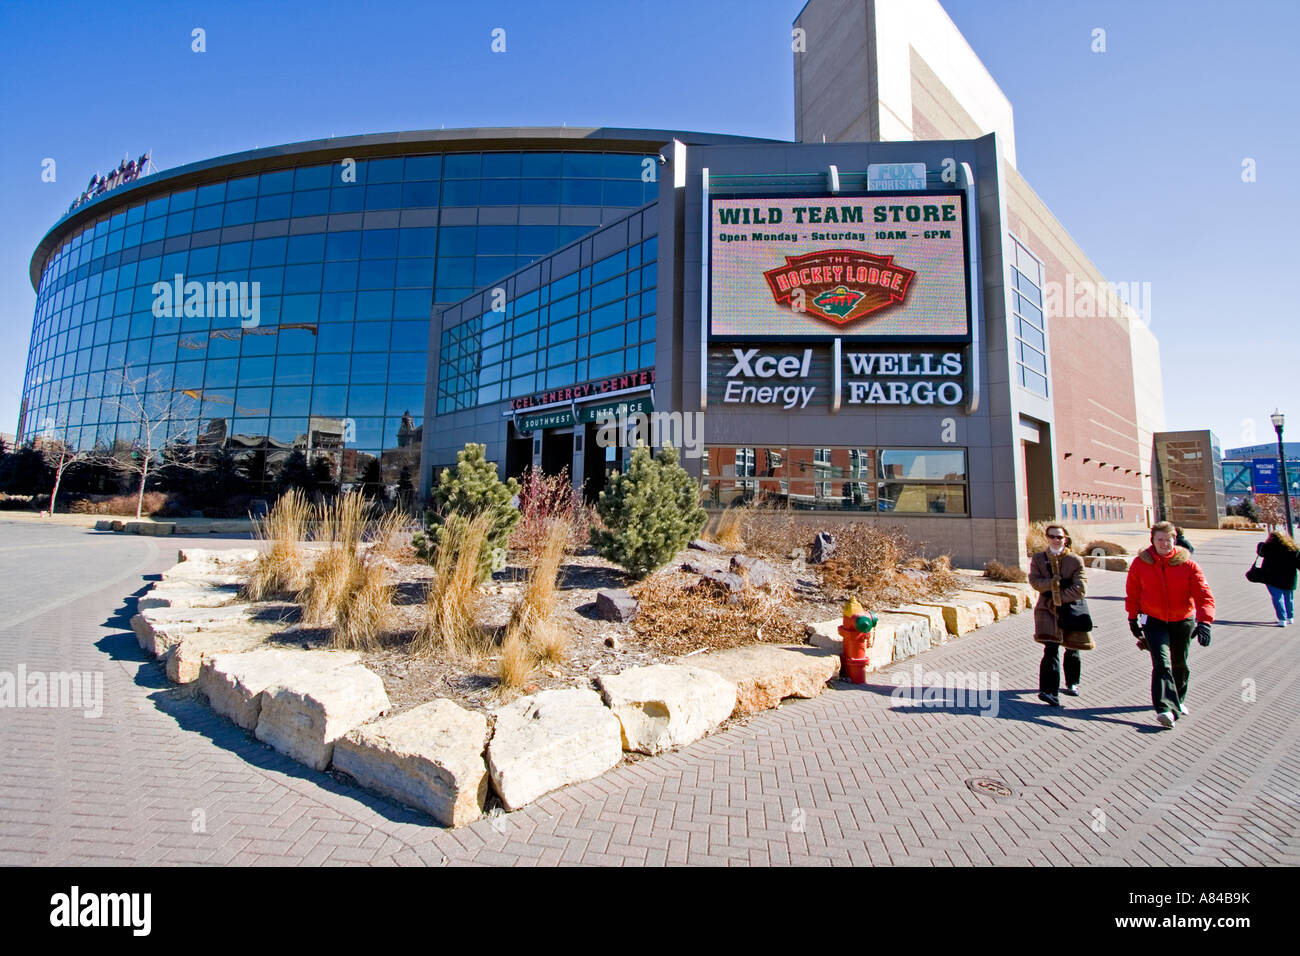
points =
(1203, 633)
(1134, 628)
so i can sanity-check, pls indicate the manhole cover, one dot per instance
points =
(991, 787)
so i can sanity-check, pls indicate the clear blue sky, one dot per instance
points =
(1137, 150)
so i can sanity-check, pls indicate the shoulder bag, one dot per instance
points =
(1074, 616)
(1256, 573)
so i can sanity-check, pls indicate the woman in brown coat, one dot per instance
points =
(1058, 575)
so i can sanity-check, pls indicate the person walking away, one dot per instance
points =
(1281, 560)
(1167, 586)
(1180, 539)
(1058, 575)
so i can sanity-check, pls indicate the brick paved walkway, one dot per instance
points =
(846, 778)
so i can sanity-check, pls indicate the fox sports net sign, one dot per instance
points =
(878, 266)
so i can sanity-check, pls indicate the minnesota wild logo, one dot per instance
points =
(839, 285)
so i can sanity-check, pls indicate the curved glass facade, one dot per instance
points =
(346, 265)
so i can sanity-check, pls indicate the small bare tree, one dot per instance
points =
(156, 414)
(59, 454)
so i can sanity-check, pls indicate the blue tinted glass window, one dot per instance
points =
(207, 217)
(314, 202)
(277, 182)
(386, 196)
(234, 256)
(379, 243)
(312, 177)
(406, 367)
(302, 278)
(331, 370)
(455, 272)
(291, 401)
(417, 242)
(374, 305)
(375, 274)
(349, 198)
(410, 303)
(268, 252)
(239, 213)
(420, 194)
(540, 192)
(383, 170)
(623, 194)
(152, 209)
(411, 336)
(584, 165)
(499, 192)
(500, 165)
(179, 201)
(274, 207)
(343, 245)
(496, 240)
(414, 272)
(337, 306)
(541, 164)
(241, 188)
(306, 248)
(423, 167)
(334, 338)
(579, 192)
(462, 166)
(340, 276)
(460, 192)
(270, 280)
(207, 195)
(367, 365)
(457, 240)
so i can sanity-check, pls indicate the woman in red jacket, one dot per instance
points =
(1166, 585)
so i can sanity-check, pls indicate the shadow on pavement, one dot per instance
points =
(1022, 705)
(189, 709)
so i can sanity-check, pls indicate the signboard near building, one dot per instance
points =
(886, 266)
(1265, 476)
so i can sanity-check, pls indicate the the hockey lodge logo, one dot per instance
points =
(839, 285)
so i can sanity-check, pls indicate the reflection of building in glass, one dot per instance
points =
(347, 270)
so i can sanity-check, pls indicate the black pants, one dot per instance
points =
(1049, 671)
(1168, 642)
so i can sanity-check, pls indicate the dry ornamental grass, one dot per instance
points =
(282, 568)
(678, 620)
(997, 571)
(532, 634)
(453, 597)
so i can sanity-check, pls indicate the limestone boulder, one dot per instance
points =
(1019, 599)
(217, 556)
(766, 674)
(667, 705)
(962, 615)
(184, 661)
(912, 633)
(233, 683)
(304, 714)
(1000, 604)
(184, 594)
(550, 740)
(158, 629)
(430, 758)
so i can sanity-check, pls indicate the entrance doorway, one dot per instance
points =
(597, 463)
(519, 453)
(557, 452)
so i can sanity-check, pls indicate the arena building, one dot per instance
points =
(879, 320)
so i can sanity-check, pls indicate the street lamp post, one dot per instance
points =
(1279, 420)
